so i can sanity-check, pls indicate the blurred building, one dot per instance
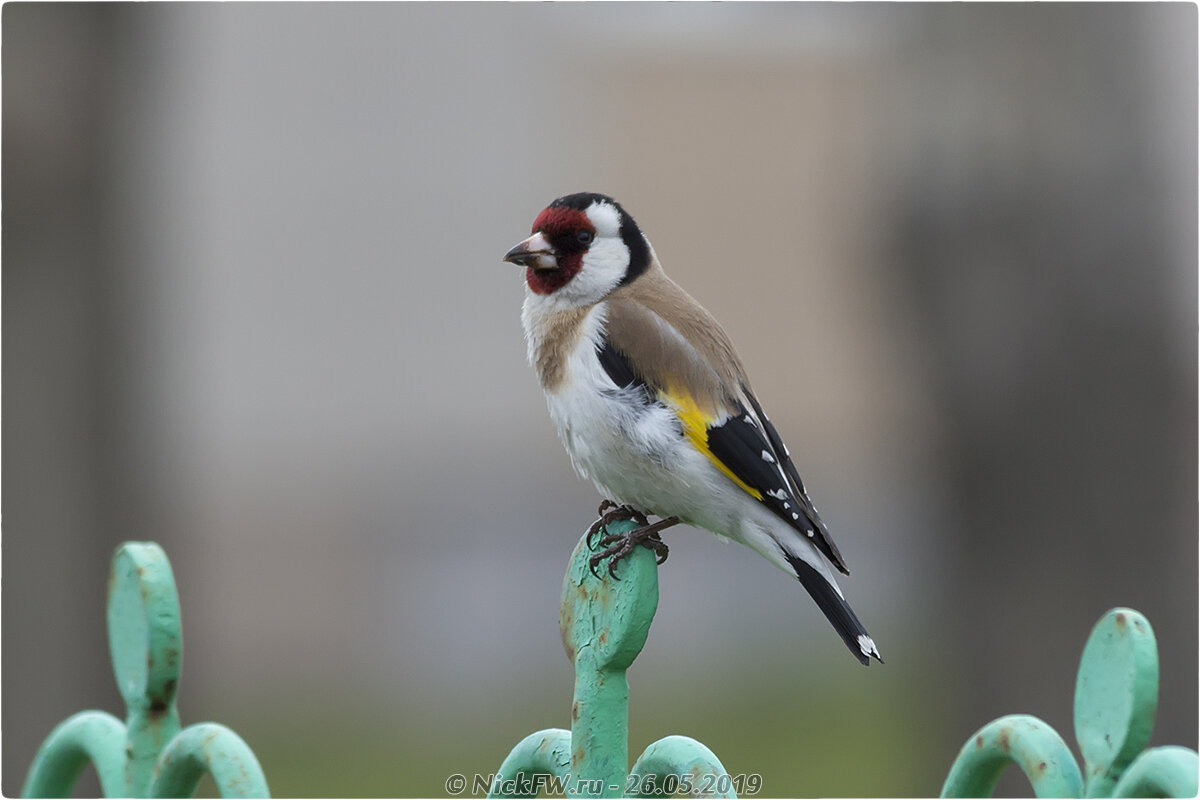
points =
(254, 310)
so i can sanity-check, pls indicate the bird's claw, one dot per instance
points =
(611, 512)
(655, 543)
(618, 545)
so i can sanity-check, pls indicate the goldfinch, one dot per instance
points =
(653, 405)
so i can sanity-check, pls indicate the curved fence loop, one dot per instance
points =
(1116, 696)
(146, 645)
(144, 632)
(1161, 772)
(672, 760)
(145, 641)
(94, 737)
(543, 754)
(1018, 739)
(208, 748)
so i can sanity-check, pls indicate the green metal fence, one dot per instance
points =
(604, 624)
(147, 755)
(1116, 696)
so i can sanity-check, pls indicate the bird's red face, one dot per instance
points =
(583, 247)
(553, 255)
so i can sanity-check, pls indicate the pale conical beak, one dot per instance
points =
(534, 252)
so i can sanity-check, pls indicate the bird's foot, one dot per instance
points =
(619, 545)
(611, 512)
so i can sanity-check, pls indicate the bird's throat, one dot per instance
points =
(549, 281)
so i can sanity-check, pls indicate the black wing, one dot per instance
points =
(750, 447)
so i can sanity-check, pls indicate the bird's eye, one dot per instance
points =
(585, 237)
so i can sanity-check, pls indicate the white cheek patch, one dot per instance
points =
(603, 267)
(605, 220)
(604, 264)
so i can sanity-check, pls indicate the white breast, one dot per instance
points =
(634, 452)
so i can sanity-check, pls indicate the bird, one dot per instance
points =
(653, 405)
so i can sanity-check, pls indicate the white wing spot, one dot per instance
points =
(779, 494)
(795, 515)
(809, 532)
(746, 419)
(767, 457)
(867, 646)
(786, 506)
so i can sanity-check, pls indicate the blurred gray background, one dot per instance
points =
(254, 310)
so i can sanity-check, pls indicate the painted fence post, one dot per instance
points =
(1116, 696)
(147, 755)
(604, 623)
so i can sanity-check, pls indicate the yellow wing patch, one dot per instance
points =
(695, 426)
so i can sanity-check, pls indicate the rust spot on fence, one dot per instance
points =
(1002, 741)
(1119, 618)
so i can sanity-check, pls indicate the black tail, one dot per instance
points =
(836, 609)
